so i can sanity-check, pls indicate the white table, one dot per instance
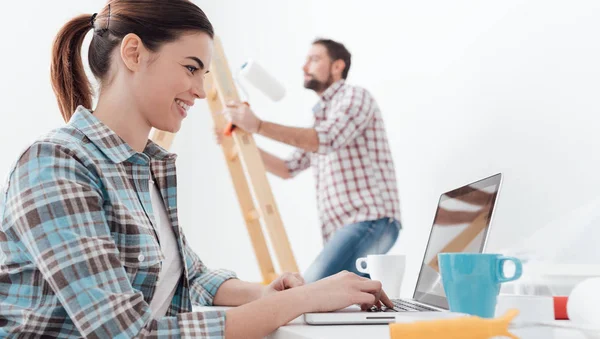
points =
(298, 329)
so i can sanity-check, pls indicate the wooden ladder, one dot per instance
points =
(247, 173)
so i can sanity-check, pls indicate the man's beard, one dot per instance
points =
(318, 86)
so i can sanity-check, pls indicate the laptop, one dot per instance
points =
(461, 224)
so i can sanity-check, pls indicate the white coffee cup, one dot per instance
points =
(387, 268)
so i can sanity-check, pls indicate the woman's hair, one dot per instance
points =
(155, 21)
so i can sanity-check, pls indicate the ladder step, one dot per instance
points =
(213, 94)
(234, 153)
(252, 215)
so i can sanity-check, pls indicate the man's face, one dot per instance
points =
(317, 69)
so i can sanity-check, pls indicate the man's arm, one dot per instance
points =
(275, 165)
(242, 116)
(303, 138)
(349, 117)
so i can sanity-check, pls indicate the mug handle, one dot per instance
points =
(500, 269)
(359, 267)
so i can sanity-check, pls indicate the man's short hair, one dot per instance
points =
(336, 51)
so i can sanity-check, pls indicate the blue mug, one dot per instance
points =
(472, 281)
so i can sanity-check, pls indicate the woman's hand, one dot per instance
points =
(284, 282)
(263, 316)
(345, 289)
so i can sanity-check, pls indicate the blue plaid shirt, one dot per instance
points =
(78, 252)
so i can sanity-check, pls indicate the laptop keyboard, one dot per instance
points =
(401, 305)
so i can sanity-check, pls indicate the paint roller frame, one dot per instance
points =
(252, 67)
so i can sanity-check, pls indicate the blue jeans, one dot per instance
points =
(350, 243)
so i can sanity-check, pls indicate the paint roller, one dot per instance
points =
(258, 77)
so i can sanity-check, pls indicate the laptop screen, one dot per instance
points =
(461, 224)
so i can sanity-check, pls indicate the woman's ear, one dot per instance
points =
(132, 51)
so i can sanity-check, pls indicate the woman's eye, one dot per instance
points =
(192, 69)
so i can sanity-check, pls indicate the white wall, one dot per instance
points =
(467, 89)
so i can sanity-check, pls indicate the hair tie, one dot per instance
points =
(93, 19)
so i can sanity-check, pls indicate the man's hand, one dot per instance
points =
(242, 116)
(284, 282)
(218, 135)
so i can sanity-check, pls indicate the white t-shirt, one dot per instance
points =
(172, 265)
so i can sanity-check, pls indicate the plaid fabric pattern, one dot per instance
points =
(79, 256)
(353, 167)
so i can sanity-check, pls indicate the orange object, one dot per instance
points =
(230, 127)
(455, 328)
(560, 308)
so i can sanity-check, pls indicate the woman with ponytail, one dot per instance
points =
(90, 244)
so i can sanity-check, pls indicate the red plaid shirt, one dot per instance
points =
(353, 167)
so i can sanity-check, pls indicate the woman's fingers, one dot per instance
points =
(371, 286)
(299, 277)
(292, 280)
(385, 300)
(374, 287)
(366, 300)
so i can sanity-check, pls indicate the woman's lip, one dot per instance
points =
(181, 110)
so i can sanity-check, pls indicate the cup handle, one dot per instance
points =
(359, 266)
(500, 269)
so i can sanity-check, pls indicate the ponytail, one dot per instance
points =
(69, 81)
